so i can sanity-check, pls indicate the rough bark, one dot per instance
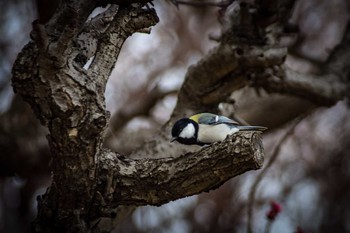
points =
(89, 182)
(69, 101)
(158, 181)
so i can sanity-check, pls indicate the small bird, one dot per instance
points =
(206, 128)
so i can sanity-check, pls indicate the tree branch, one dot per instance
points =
(128, 20)
(238, 64)
(245, 47)
(228, 67)
(87, 40)
(62, 28)
(323, 90)
(158, 181)
(70, 102)
(224, 70)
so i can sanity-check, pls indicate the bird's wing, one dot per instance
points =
(212, 119)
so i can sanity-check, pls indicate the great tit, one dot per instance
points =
(206, 128)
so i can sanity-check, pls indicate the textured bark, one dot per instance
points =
(89, 182)
(69, 101)
(158, 181)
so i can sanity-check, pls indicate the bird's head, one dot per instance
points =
(185, 131)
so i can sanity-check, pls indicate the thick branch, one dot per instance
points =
(259, 66)
(64, 26)
(322, 90)
(86, 42)
(127, 21)
(158, 181)
(244, 46)
(225, 69)
(70, 102)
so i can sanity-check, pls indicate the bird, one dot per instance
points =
(206, 128)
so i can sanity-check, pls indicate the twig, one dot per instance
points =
(261, 175)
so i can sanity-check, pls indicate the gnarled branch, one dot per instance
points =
(158, 181)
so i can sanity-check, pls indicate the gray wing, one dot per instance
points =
(212, 119)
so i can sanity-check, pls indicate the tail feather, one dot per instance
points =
(251, 128)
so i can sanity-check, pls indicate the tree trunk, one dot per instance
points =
(88, 181)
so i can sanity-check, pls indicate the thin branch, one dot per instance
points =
(274, 156)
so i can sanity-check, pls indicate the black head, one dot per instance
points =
(185, 131)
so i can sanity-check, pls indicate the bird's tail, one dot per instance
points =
(251, 128)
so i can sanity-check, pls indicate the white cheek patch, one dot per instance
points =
(188, 131)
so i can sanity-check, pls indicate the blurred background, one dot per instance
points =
(308, 177)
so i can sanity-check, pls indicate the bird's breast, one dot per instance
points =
(214, 133)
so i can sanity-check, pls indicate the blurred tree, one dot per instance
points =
(63, 74)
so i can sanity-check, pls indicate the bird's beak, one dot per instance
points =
(173, 139)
